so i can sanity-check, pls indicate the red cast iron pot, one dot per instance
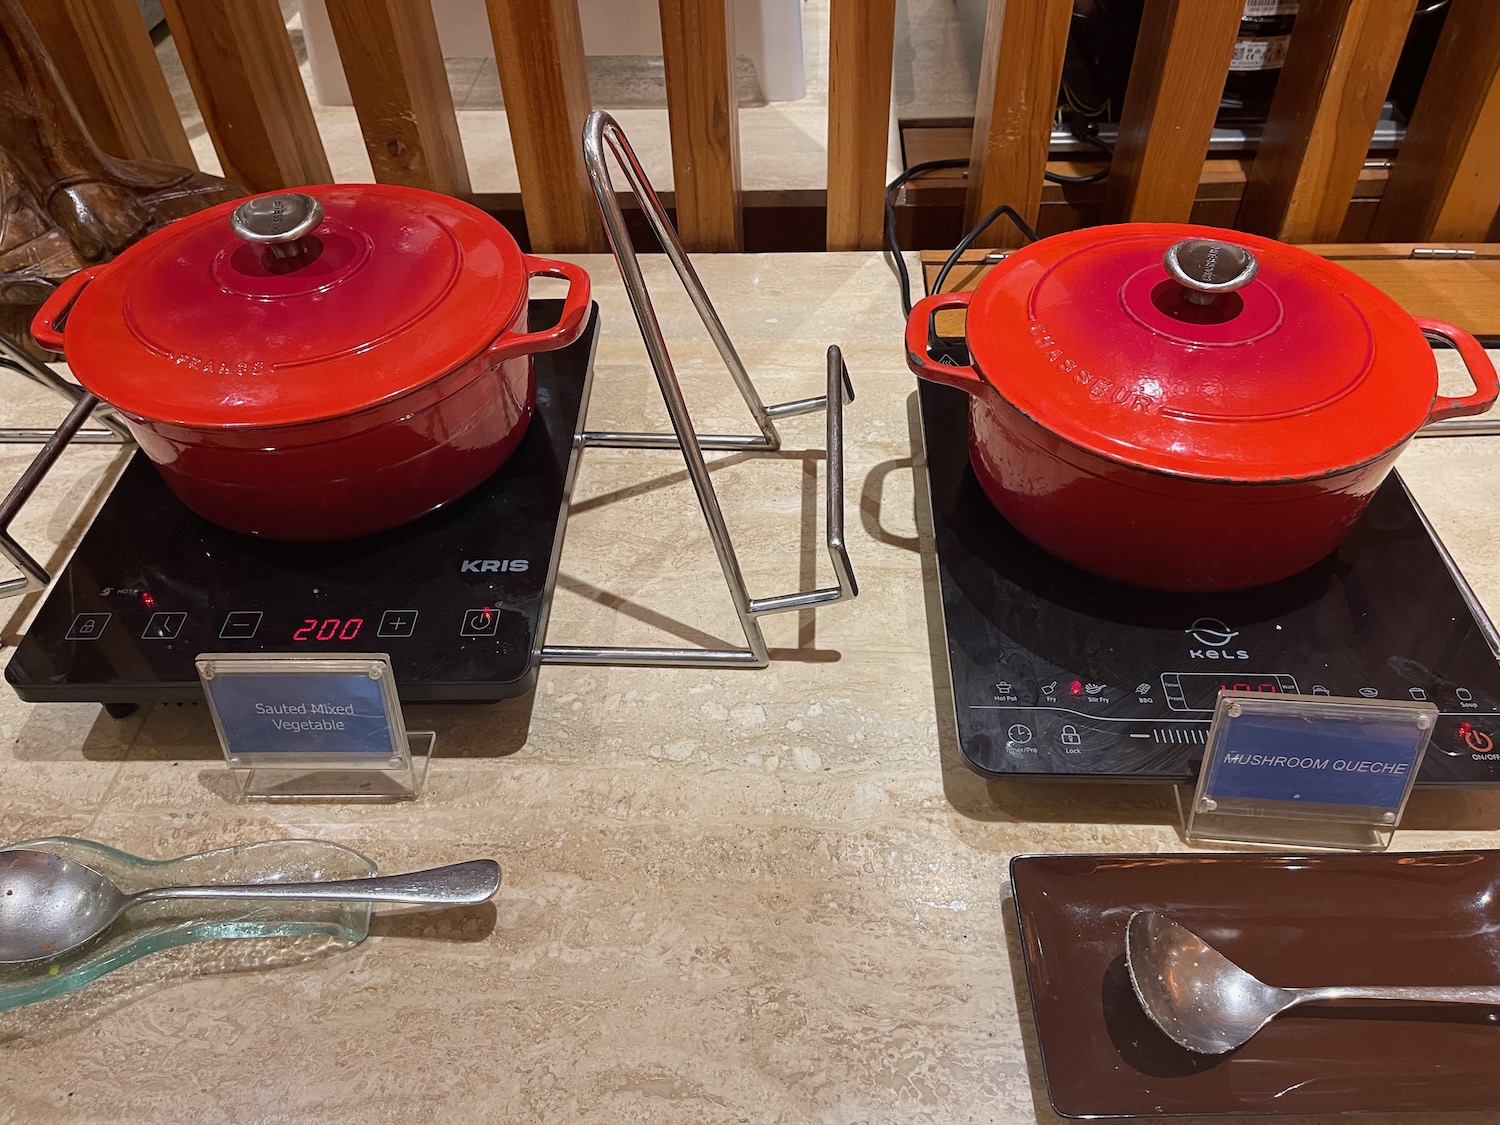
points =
(319, 364)
(1188, 408)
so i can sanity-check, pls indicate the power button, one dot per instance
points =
(1477, 740)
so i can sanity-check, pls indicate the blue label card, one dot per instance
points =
(1289, 758)
(295, 706)
(1319, 751)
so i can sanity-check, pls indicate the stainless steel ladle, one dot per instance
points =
(50, 904)
(1208, 1004)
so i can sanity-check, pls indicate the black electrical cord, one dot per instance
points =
(1081, 128)
(975, 231)
(1087, 132)
(897, 261)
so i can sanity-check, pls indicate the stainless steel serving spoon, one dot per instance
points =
(50, 904)
(1208, 1004)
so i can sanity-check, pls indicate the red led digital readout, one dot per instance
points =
(1250, 687)
(329, 628)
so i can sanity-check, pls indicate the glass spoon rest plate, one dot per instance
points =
(314, 927)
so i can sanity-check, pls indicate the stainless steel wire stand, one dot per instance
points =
(1484, 426)
(34, 576)
(1461, 427)
(602, 136)
(13, 358)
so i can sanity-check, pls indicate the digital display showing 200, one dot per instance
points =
(329, 629)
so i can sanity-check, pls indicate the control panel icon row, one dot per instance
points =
(243, 625)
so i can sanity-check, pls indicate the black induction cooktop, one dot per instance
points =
(1060, 674)
(459, 598)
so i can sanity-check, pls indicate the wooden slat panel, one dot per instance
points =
(1024, 43)
(539, 48)
(1181, 62)
(391, 57)
(697, 42)
(103, 53)
(861, 38)
(1446, 180)
(243, 73)
(1328, 98)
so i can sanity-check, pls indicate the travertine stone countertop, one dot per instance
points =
(730, 896)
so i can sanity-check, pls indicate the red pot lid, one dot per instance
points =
(1252, 361)
(293, 307)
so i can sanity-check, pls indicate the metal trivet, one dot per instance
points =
(601, 131)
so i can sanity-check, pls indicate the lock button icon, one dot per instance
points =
(1070, 736)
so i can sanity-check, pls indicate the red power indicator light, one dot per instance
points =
(1077, 688)
(147, 600)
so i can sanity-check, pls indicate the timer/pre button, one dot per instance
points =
(164, 626)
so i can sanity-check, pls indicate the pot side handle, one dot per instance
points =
(46, 326)
(575, 310)
(1481, 370)
(918, 329)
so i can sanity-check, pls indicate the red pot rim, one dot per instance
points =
(195, 327)
(1305, 372)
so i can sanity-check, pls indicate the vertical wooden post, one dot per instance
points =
(861, 41)
(539, 47)
(391, 57)
(1181, 62)
(1024, 43)
(103, 53)
(243, 73)
(1445, 184)
(1328, 99)
(697, 44)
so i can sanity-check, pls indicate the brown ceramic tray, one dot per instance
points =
(1429, 919)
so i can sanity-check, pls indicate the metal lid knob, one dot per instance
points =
(1206, 268)
(277, 222)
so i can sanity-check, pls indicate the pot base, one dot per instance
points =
(321, 511)
(1154, 531)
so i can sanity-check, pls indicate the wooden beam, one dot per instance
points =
(697, 43)
(1024, 43)
(539, 48)
(861, 41)
(103, 53)
(1181, 62)
(1328, 99)
(243, 73)
(391, 57)
(1445, 183)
